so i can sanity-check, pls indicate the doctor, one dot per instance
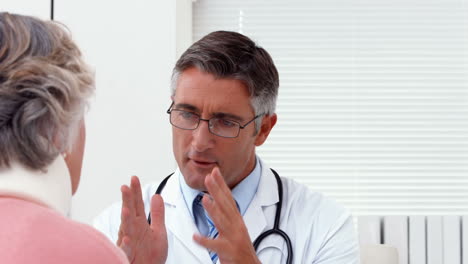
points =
(222, 196)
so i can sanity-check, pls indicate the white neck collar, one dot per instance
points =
(51, 187)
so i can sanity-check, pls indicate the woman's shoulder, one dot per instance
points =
(43, 233)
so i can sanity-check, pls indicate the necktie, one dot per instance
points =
(204, 223)
(213, 233)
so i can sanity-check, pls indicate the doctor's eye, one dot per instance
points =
(225, 123)
(187, 115)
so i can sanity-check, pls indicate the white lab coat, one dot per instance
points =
(321, 231)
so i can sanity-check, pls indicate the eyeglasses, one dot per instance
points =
(221, 127)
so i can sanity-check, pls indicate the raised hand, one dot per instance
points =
(233, 243)
(141, 242)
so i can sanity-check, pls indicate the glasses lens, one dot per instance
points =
(184, 119)
(189, 121)
(224, 128)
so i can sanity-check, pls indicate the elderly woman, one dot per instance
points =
(44, 89)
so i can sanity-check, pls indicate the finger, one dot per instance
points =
(219, 180)
(126, 227)
(127, 199)
(222, 208)
(209, 205)
(157, 213)
(135, 186)
(224, 220)
(219, 191)
(119, 239)
(122, 226)
(206, 242)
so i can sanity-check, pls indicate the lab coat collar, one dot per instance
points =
(171, 192)
(51, 187)
(267, 184)
(267, 195)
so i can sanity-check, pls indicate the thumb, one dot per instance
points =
(157, 212)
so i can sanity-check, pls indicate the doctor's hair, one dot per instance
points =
(44, 91)
(231, 55)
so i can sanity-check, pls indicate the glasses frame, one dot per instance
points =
(169, 111)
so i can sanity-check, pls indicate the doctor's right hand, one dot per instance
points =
(141, 242)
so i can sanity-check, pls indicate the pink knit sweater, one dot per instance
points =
(33, 223)
(31, 233)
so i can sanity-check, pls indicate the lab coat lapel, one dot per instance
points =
(267, 195)
(179, 222)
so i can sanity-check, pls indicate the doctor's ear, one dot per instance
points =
(268, 122)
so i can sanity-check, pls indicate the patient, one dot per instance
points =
(44, 90)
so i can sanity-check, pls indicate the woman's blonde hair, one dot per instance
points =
(44, 90)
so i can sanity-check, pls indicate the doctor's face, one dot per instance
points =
(198, 151)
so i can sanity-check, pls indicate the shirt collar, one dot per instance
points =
(50, 187)
(243, 193)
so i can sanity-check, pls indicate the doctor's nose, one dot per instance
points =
(202, 138)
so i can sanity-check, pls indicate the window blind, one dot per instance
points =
(373, 99)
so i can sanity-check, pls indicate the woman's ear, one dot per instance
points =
(268, 122)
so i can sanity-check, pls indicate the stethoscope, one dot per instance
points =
(275, 230)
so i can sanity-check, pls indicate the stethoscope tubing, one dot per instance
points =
(276, 229)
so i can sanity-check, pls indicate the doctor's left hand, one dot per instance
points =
(141, 242)
(233, 243)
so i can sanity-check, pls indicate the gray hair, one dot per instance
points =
(44, 90)
(231, 55)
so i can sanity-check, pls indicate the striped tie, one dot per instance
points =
(213, 233)
(204, 224)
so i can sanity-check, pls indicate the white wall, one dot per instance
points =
(38, 8)
(131, 45)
